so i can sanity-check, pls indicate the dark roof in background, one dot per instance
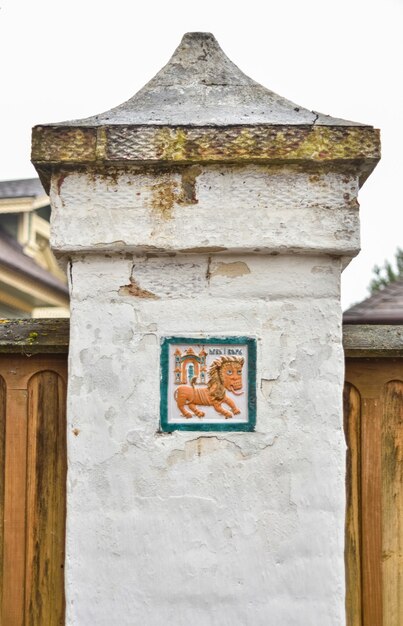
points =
(383, 307)
(12, 255)
(23, 188)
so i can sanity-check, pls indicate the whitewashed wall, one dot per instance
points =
(247, 208)
(215, 529)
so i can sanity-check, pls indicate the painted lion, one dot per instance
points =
(225, 374)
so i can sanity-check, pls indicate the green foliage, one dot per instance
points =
(388, 273)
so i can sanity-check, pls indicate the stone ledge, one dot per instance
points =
(57, 146)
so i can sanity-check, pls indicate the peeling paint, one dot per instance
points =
(202, 446)
(266, 387)
(322, 269)
(164, 195)
(231, 270)
(133, 289)
(189, 178)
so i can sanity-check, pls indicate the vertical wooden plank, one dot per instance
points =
(3, 404)
(371, 511)
(47, 464)
(392, 504)
(14, 509)
(352, 550)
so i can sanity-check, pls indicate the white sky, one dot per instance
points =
(72, 59)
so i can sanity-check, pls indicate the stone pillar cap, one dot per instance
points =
(200, 108)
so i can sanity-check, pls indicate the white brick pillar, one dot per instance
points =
(209, 216)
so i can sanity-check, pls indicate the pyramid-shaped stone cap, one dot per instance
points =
(201, 108)
(201, 86)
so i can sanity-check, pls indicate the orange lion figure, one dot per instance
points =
(225, 374)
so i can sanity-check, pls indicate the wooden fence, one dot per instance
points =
(373, 417)
(33, 373)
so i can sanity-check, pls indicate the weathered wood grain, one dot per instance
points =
(352, 551)
(371, 511)
(29, 506)
(33, 336)
(392, 503)
(14, 509)
(380, 385)
(46, 500)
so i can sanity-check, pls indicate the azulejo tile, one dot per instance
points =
(208, 383)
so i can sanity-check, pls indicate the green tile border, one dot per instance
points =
(200, 426)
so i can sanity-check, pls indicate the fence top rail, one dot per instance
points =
(35, 336)
(373, 340)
